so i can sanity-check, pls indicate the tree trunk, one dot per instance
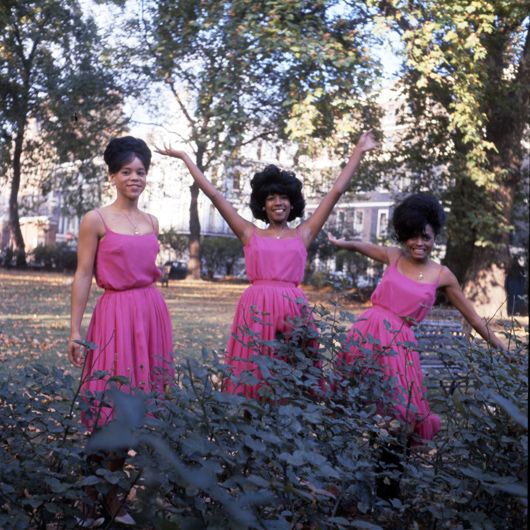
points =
(464, 199)
(194, 262)
(486, 286)
(14, 220)
(483, 270)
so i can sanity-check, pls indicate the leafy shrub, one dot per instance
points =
(220, 254)
(60, 257)
(303, 456)
(179, 243)
(7, 257)
(318, 279)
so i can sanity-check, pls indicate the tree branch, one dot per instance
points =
(180, 103)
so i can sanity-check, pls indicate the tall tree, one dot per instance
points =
(247, 69)
(467, 80)
(58, 102)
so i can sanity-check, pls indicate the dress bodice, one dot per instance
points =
(409, 299)
(267, 258)
(126, 261)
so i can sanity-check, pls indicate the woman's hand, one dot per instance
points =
(334, 241)
(167, 150)
(75, 354)
(367, 142)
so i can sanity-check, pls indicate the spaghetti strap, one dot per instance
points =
(152, 223)
(102, 219)
(439, 274)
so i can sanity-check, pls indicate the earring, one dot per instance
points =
(263, 208)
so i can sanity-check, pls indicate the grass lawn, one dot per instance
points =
(35, 313)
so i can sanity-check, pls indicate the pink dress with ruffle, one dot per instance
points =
(275, 267)
(130, 324)
(398, 303)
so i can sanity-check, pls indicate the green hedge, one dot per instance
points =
(300, 457)
(57, 257)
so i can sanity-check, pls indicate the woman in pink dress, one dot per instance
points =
(403, 297)
(130, 325)
(275, 257)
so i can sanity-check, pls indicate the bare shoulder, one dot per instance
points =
(154, 221)
(92, 221)
(393, 254)
(447, 278)
(92, 228)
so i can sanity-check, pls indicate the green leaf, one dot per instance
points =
(510, 408)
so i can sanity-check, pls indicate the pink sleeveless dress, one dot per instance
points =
(275, 267)
(130, 324)
(398, 303)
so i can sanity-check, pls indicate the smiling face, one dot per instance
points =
(420, 246)
(130, 179)
(277, 207)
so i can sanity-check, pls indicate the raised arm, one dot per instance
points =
(310, 228)
(240, 226)
(455, 295)
(376, 252)
(87, 244)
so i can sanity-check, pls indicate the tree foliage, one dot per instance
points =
(244, 70)
(220, 254)
(177, 242)
(59, 103)
(467, 84)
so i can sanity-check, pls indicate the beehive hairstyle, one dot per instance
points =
(414, 213)
(275, 180)
(121, 151)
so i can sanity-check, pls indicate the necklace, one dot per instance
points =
(421, 276)
(279, 234)
(136, 232)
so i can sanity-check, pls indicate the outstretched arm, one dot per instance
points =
(376, 252)
(310, 228)
(455, 295)
(240, 226)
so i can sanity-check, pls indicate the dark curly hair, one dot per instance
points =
(121, 151)
(275, 180)
(414, 213)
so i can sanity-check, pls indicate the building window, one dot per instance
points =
(382, 223)
(211, 218)
(358, 221)
(340, 221)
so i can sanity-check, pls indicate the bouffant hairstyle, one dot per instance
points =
(414, 213)
(121, 151)
(275, 180)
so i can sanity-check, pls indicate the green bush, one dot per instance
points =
(59, 257)
(318, 279)
(7, 255)
(300, 457)
(220, 254)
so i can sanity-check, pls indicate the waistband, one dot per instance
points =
(274, 283)
(409, 322)
(108, 290)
